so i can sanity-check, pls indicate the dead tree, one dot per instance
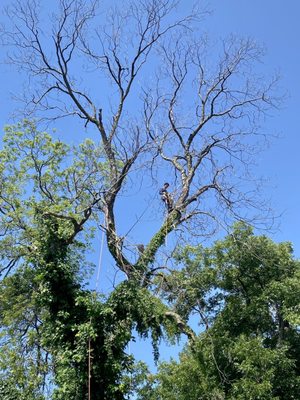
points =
(193, 121)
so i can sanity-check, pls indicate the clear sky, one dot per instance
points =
(275, 24)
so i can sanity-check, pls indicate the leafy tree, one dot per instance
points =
(48, 317)
(249, 347)
(23, 361)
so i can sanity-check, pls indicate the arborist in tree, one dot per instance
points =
(166, 197)
(141, 248)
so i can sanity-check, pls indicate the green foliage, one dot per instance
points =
(249, 347)
(49, 321)
(245, 291)
(24, 362)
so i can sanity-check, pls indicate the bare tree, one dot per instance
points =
(161, 100)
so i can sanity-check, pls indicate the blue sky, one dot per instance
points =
(274, 24)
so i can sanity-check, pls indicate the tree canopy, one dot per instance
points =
(244, 292)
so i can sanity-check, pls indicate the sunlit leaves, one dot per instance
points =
(245, 292)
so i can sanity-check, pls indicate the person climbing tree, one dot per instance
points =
(166, 197)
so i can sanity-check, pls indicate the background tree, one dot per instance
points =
(240, 291)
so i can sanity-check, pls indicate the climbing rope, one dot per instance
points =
(89, 369)
(100, 261)
(89, 340)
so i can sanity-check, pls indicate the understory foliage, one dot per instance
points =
(244, 292)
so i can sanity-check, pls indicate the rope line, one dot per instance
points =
(89, 340)
(89, 370)
(100, 260)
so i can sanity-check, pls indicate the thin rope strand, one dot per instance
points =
(89, 371)
(100, 261)
(89, 341)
